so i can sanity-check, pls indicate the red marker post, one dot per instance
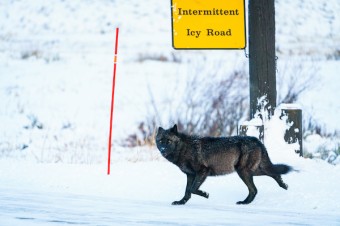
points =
(112, 100)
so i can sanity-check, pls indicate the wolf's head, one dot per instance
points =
(167, 140)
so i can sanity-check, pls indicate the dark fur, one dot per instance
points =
(208, 156)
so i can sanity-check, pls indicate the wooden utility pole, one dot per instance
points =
(262, 69)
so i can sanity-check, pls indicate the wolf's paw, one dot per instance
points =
(284, 186)
(181, 202)
(242, 203)
(205, 194)
(202, 193)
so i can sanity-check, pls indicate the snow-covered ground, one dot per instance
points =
(56, 61)
(141, 194)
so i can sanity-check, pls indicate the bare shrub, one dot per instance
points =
(38, 54)
(293, 79)
(214, 104)
(158, 57)
(144, 136)
(32, 53)
(312, 126)
(335, 55)
(211, 105)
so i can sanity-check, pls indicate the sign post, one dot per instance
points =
(262, 71)
(213, 24)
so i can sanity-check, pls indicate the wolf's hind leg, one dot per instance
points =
(248, 180)
(279, 180)
(201, 193)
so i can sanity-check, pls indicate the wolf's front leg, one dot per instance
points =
(198, 181)
(187, 195)
(193, 184)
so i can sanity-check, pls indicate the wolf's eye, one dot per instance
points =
(166, 141)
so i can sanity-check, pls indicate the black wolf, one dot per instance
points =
(209, 156)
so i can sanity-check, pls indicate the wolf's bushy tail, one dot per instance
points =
(278, 169)
(274, 169)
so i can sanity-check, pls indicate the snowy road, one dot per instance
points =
(141, 193)
(22, 207)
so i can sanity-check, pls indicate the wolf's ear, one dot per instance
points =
(174, 129)
(160, 129)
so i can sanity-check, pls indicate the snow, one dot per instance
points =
(290, 106)
(56, 61)
(141, 194)
(253, 122)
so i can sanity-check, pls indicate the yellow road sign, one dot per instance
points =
(208, 24)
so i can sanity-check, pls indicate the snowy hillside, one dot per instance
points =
(308, 28)
(56, 70)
